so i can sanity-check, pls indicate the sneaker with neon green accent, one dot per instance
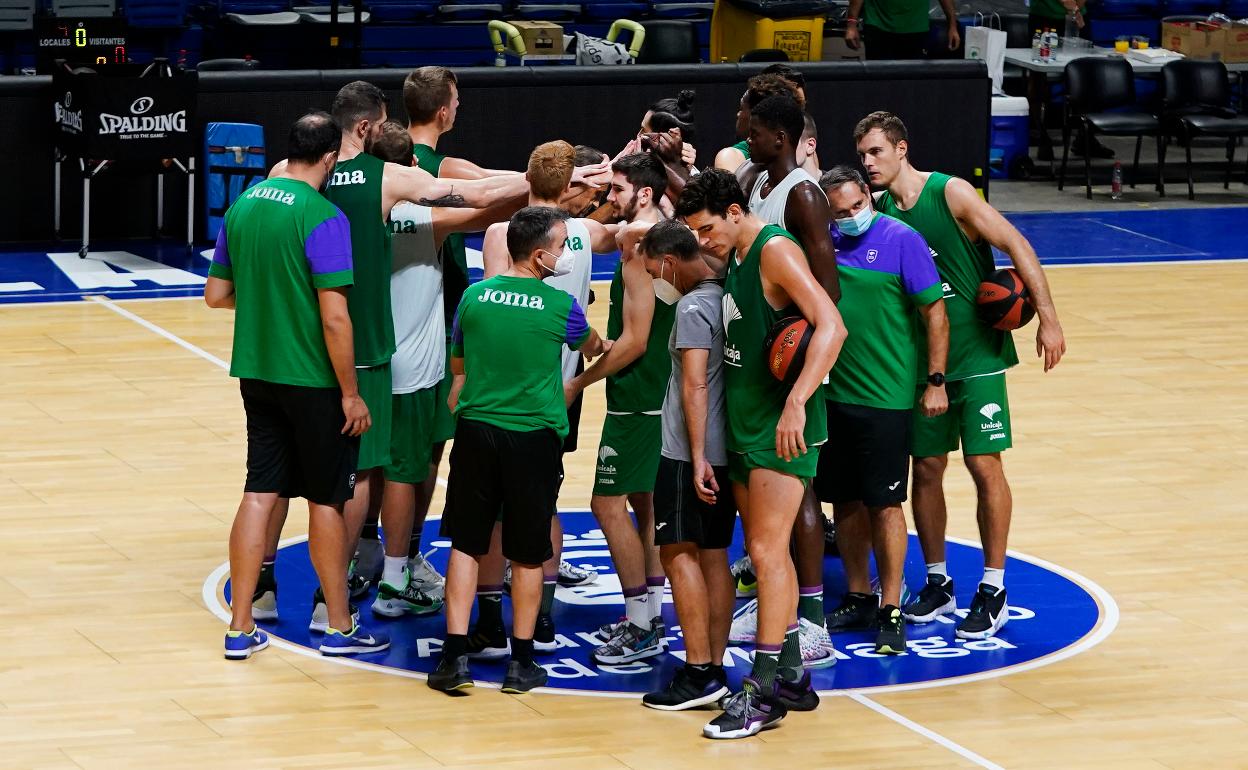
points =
(356, 642)
(743, 573)
(239, 645)
(395, 601)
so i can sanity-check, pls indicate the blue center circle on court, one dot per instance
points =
(1050, 614)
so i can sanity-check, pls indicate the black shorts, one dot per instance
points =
(680, 516)
(493, 470)
(867, 456)
(885, 46)
(295, 444)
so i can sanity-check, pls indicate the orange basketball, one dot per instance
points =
(1003, 301)
(785, 347)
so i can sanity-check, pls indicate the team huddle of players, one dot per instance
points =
(362, 348)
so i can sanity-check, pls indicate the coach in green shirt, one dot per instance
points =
(897, 29)
(283, 262)
(507, 357)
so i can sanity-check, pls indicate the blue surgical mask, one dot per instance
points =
(858, 223)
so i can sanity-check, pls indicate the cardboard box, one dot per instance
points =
(1195, 40)
(541, 38)
(1235, 43)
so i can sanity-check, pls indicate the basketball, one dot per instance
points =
(785, 347)
(1003, 301)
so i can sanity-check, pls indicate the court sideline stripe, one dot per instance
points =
(146, 324)
(931, 735)
(175, 339)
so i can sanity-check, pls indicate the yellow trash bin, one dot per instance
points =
(736, 29)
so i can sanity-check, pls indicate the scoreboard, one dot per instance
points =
(81, 42)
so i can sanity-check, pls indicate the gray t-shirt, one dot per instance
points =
(698, 325)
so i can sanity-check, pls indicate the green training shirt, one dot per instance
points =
(974, 347)
(640, 386)
(280, 243)
(885, 274)
(897, 16)
(355, 188)
(511, 332)
(756, 398)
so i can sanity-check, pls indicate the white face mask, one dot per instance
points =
(858, 223)
(665, 291)
(563, 263)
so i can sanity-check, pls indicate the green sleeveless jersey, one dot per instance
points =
(355, 188)
(974, 347)
(640, 386)
(756, 398)
(454, 254)
(743, 147)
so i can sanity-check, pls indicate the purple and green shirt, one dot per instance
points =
(511, 332)
(886, 273)
(282, 240)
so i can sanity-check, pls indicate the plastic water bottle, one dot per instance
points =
(1046, 53)
(1035, 47)
(1115, 185)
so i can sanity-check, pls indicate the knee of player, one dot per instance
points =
(608, 507)
(930, 470)
(766, 550)
(987, 471)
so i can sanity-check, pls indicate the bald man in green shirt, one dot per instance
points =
(896, 29)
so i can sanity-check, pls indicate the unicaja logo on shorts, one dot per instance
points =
(605, 452)
(990, 411)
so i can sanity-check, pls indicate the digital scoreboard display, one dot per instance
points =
(82, 42)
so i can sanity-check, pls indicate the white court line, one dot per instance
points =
(146, 324)
(931, 735)
(1142, 235)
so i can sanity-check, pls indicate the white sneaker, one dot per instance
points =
(264, 607)
(816, 645)
(744, 623)
(426, 578)
(571, 575)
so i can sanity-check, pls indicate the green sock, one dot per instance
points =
(790, 661)
(810, 604)
(765, 662)
(548, 595)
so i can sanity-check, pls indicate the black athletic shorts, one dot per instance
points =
(867, 456)
(891, 46)
(680, 516)
(295, 444)
(493, 470)
(574, 415)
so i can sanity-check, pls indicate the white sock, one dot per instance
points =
(938, 568)
(655, 600)
(637, 609)
(392, 570)
(994, 577)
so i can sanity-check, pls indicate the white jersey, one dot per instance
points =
(416, 296)
(575, 283)
(771, 209)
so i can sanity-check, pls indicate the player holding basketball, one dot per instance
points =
(694, 509)
(960, 227)
(283, 262)
(636, 370)
(886, 273)
(507, 355)
(774, 428)
(550, 173)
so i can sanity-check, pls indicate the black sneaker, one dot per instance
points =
(891, 638)
(451, 675)
(856, 613)
(746, 713)
(685, 692)
(521, 678)
(631, 643)
(796, 696)
(934, 600)
(488, 643)
(988, 615)
(544, 634)
(357, 586)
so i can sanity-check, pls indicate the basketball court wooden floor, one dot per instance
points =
(122, 465)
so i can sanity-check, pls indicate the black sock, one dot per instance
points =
(522, 650)
(454, 646)
(413, 545)
(369, 532)
(490, 609)
(699, 672)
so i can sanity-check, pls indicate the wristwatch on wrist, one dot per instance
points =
(936, 379)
